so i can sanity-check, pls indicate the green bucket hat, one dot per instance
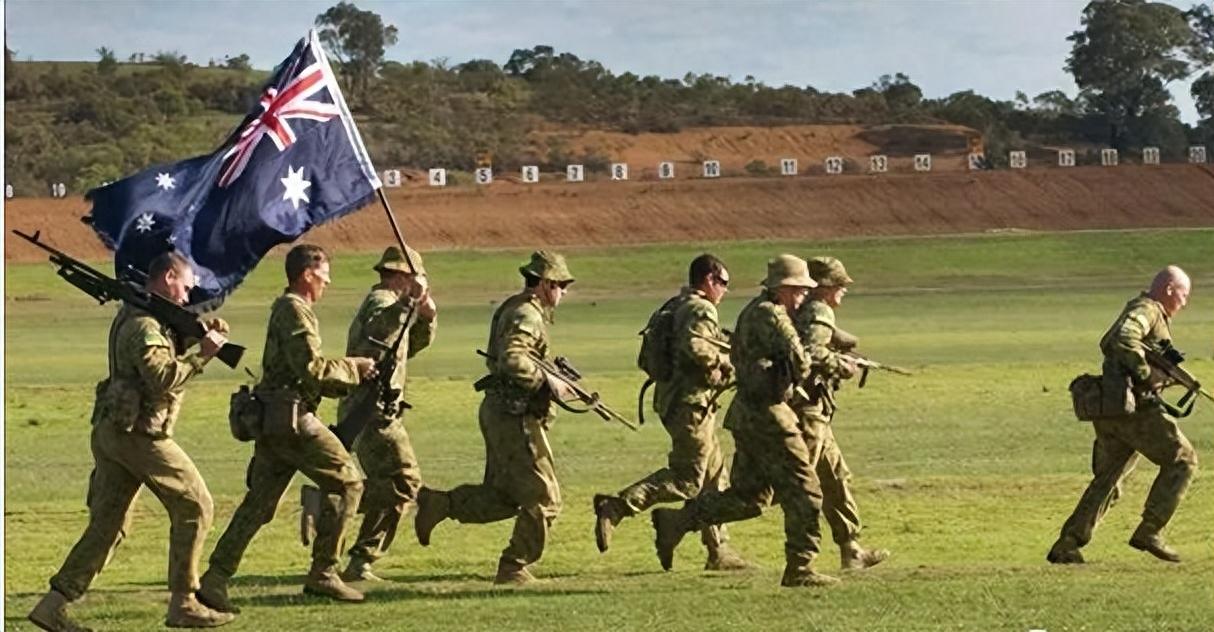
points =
(393, 260)
(828, 272)
(547, 265)
(787, 270)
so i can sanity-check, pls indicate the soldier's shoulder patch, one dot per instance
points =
(146, 331)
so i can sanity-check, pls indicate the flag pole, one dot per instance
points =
(400, 238)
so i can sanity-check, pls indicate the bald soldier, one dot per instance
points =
(686, 403)
(401, 299)
(295, 376)
(815, 322)
(771, 459)
(132, 443)
(1145, 322)
(520, 479)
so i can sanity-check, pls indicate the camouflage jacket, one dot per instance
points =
(1142, 323)
(292, 360)
(815, 322)
(519, 326)
(766, 353)
(378, 323)
(147, 378)
(694, 328)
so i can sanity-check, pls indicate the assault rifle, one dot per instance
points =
(379, 393)
(184, 323)
(563, 371)
(845, 343)
(1167, 360)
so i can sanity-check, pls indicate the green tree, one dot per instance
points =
(357, 39)
(1201, 18)
(1124, 57)
(108, 62)
(899, 92)
(240, 62)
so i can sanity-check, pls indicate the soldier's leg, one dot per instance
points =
(393, 481)
(789, 468)
(319, 455)
(487, 501)
(266, 479)
(838, 504)
(1160, 440)
(530, 480)
(1111, 459)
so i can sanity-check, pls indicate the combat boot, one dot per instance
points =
(186, 612)
(50, 613)
(512, 574)
(609, 511)
(799, 577)
(855, 558)
(326, 583)
(1064, 551)
(359, 570)
(213, 592)
(432, 508)
(724, 558)
(669, 527)
(1149, 540)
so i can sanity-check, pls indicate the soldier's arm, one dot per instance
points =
(695, 330)
(1129, 347)
(384, 316)
(301, 350)
(159, 370)
(514, 363)
(421, 334)
(788, 342)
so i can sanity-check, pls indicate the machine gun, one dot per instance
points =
(185, 324)
(1167, 359)
(563, 371)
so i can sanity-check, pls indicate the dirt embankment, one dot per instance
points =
(607, 213)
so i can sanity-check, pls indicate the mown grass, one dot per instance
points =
(965, 471)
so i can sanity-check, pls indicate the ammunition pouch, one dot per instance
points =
(1098, 397)
(281, 410)
(245, 415)
(514, 400)
(120, 403)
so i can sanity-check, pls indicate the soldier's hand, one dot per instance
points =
(426, 308)
(220, 325)
(847, 367)
(211, 343)
(366, 368)
(558, 389)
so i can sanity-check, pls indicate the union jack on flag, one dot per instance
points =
(295, 161)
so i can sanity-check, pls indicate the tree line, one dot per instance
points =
(85, 123)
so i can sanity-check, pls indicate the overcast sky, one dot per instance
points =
(993, 47)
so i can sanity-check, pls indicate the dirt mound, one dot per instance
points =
(607, 213)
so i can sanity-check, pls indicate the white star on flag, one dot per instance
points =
(144, 223)
(165, 181)
(295, 187)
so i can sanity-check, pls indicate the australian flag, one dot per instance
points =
(295, 161)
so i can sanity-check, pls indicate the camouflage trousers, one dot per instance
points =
(1119, 441)
(392, 481)
(520, 483)
(317, 453)
(123, 463)
(771, 462)
(695, 464)
(838, 504)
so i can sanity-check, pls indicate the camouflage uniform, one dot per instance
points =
(132, 446)
(520, 476)
(688, 412)
(293, 368)
(1150, 430)
(383, 447)
(771, 459)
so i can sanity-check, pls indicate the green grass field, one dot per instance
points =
(965, 471)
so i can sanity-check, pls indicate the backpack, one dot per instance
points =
(656, 357)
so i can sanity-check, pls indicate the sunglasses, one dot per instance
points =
(723, 282)
(564, 285)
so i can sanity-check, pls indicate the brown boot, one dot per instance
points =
(856, 558)
(1149, 540)
(50, 613)
(186, 612)
(1064, 551)
(359, 570)
(512, 574)
(326, 583)
(213, 592)
(668, 531)
(609, 511)
(724, 558)
(796, 577)
(432, 508)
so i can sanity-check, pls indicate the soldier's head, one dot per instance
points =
(1171, 289)
(708, 275)
(308, 271)
(832, 280)
(547, 276)
(395, 273)
(171, 276)
(788, 281)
